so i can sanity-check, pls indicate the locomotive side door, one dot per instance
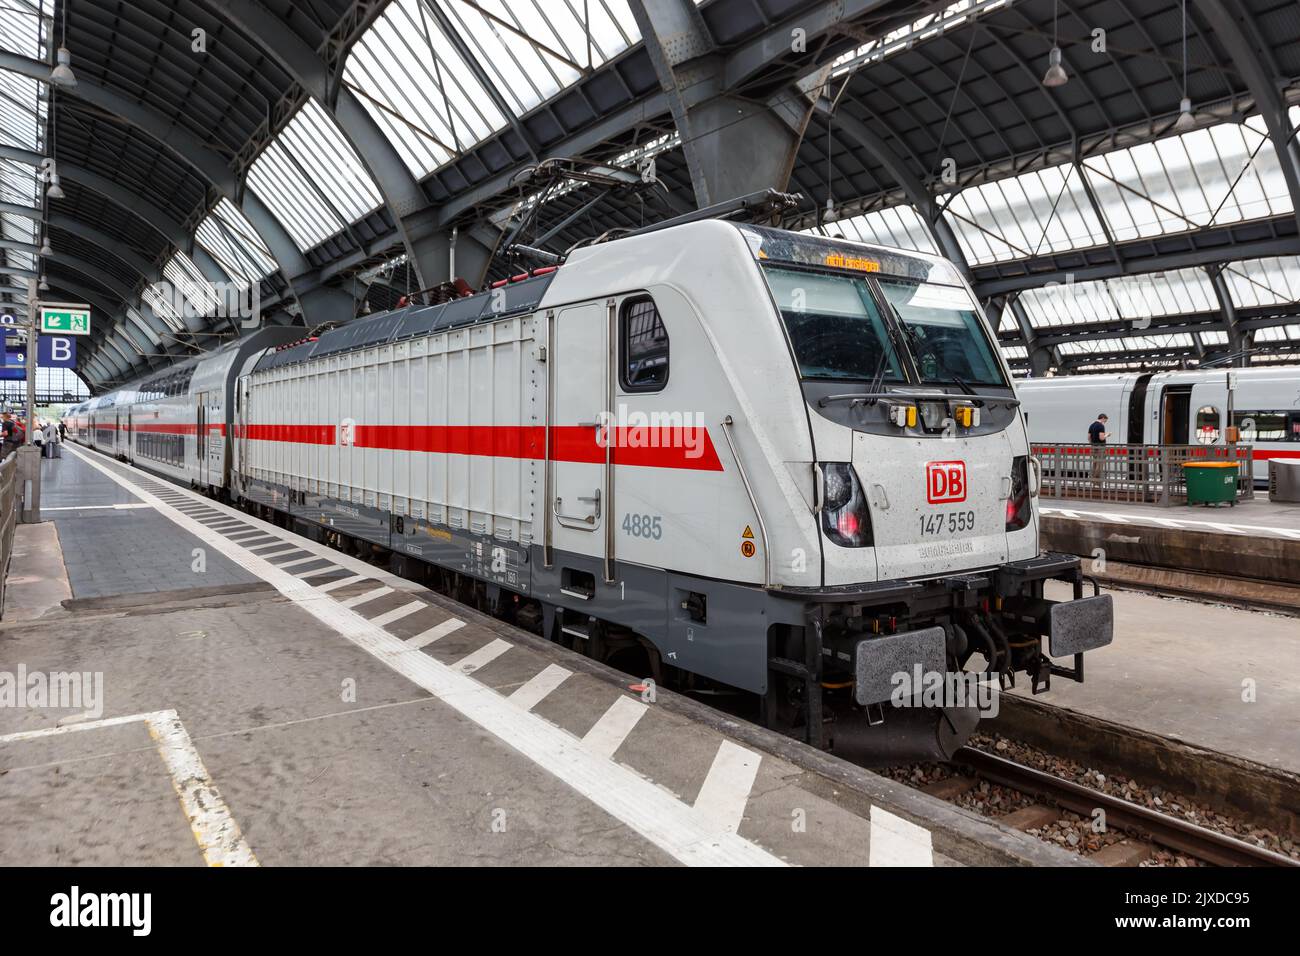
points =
(579, 505)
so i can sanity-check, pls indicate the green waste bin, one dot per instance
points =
(1211, 482)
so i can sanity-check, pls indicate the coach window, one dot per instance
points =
(643, 341)
(1207, 424)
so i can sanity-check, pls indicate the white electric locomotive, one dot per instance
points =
(788, 465)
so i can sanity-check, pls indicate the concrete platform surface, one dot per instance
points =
(1221, 678)
(248, 696)
(1256, 518)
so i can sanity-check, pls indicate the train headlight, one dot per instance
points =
(846, 519)
(904, 416)
(1018, 506)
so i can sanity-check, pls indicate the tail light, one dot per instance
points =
(845, 517)
(1018, 509)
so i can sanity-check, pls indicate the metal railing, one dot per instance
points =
(8, 518)
(1134, 473)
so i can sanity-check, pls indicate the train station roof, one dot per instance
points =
(1129, 201)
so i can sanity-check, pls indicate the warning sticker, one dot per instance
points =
(749, 533)
(747, 548)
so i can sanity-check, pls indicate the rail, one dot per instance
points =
(1151, 474)
(8, 518)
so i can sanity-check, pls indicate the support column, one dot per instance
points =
(1239, 340)
(733, 145)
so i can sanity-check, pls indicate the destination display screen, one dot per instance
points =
(803, 249)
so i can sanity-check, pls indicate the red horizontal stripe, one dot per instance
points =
(160, 428)
(1263, 454)
(690, 448)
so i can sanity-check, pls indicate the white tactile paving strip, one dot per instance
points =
(1190, 524)
(345, 594)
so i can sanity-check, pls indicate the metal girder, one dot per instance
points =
(758, 52)
(1167, 262)
(210, 164)
(110, 282)
(1041, 357)
(14, 209)
(17, 245)
(733, 146)
(1238, 339)
(161, 222)
(401, 191)
(110, 245)
(1247, 58)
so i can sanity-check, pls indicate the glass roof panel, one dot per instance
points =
(897, 226)
(532, 49)
(1221, 174)
(1263, 282)
(185, 276)
(1042, 211)
(1213, 337)
(418, 88)
(1186, 291)
(230, 239)
(1131, 343)
(425, 94)
(1278, 333)
(162, 307)
(311, 179)
(905, 37)
(23, 111)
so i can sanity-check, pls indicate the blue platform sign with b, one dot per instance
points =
(56, 351)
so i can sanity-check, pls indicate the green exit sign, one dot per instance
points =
(60, 318)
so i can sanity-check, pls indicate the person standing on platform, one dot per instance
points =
(51, 441)
(1097, 436)
(63, 431)
(8, 434)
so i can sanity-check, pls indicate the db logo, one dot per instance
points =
(945, 481)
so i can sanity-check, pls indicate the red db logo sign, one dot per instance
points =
(945, 481)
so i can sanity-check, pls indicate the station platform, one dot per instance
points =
(1207, 642)
(1218, 678)
(1257, 539)
(263, 699)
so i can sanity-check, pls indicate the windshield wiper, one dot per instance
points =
(958, 381)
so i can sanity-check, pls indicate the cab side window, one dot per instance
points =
(643, 346)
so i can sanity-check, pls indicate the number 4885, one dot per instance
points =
(643, 526)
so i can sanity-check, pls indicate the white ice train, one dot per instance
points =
(784, 464)
(1172, 408)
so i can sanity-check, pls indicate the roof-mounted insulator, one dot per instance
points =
(544, 270)
(499, 283)
(519, 278)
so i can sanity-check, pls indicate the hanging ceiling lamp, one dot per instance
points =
(1186, 120)
(1055, 75)
(62, 74)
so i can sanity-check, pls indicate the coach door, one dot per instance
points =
(201, 437)
(1175, 415)
(579, 461)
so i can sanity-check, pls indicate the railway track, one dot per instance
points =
(1162, 829)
